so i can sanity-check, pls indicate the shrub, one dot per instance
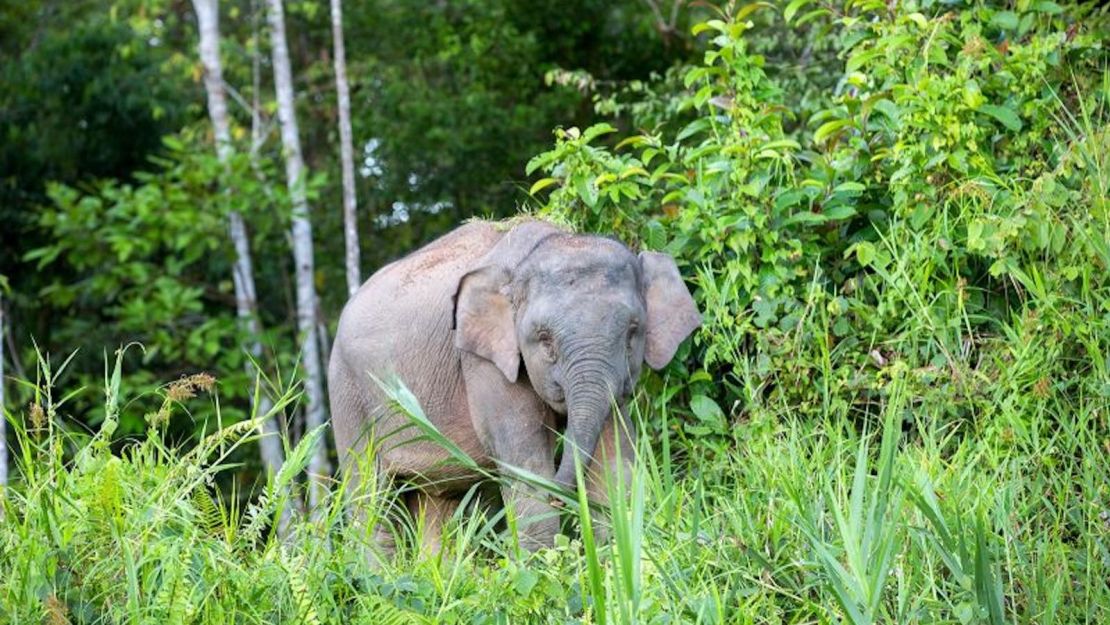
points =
(941, 209)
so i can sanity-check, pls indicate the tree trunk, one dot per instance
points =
(302, 246)
(243, 271)
(346, 149)
(3, 421)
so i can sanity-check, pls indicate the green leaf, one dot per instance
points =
(692, 128)
(829, 128)
(633, 171)
(792, 9)
(859, 59)
(805, 217)
(655, 237)
(541, 184)
(596, 131)
(888, 108)
(843, 211)
(716, 25)
(788, 199)
(525, 580)
(865, 252)
(780, 144)
(748, 9)
(849, 187)
(1007, 116)
(1046, 6)
(587, 190)
(1005, 20)
(634, 140)
(812, 15)
(539, 161)
(706, 410)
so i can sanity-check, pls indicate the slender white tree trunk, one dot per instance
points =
(302, 246)
(346, 150)
(257, 136)
(3, 421)
(243, 271)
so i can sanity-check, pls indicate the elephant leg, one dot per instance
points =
(528, 447)
(607, 467)
(375, 512)
(432, 513)
(516, 427)
(367, 484)
(537, 520)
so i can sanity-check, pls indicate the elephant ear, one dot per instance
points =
(671, 313)
(484, 323)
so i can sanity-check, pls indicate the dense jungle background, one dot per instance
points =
(892, 215)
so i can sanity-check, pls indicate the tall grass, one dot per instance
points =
(901, 521)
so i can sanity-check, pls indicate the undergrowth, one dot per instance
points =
(908, 521)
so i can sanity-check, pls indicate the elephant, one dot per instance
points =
(456, 319)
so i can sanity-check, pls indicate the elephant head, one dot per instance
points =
(583, 313)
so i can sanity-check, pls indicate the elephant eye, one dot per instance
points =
(543, 336)
(633, 331)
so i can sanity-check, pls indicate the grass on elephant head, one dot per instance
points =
(904, 519)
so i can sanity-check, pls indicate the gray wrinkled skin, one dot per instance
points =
(506, 337)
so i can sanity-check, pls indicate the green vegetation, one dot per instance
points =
(893, 216)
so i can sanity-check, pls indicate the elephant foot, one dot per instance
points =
(431, 514)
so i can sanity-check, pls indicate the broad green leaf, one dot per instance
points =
(781, 144)
(843, 211)
(1047, 6)
(692, 128)
(888, 108)
(655, 237)
(829, 128)
(812, 15)
(792, 9)
(1006, 20)
(788, 199)
(540, 160)
(596, 131)
(865, 252)
(1007, 116)
(859, 59)
(805, 217)
(587, 190)
(748, 9)
(716, 25)
(973, 96)
(605, 179)
(849, 187)
(705, 409)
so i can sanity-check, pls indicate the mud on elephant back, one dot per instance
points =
(454, 322)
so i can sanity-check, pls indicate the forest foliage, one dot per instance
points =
(893, 217)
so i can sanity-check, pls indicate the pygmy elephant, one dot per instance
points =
(455, 320)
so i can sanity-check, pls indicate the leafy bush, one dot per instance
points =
(941, 209)
(150, 262)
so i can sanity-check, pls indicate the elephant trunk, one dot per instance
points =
(589, 404)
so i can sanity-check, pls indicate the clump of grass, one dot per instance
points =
(802, 522)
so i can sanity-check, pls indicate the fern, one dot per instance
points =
(209, 517)
(259, 514)
(171, 602)
(302, 596)
(376, 610)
